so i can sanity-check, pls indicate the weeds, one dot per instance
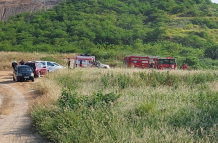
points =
(122, 105)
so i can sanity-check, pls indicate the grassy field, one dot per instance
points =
(128, 105)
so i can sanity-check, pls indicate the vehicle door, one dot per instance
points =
(85, 63)
(15, 73)
(43, 68)
(51, 66)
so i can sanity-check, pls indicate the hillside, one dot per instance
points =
(111, 29)
(9, 8)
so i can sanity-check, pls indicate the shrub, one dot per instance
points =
(143, 109)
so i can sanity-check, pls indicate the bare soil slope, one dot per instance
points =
(12, 7)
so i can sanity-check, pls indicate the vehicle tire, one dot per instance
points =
(39, 75)
(32, 80)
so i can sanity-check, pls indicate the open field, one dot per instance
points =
(128, 105)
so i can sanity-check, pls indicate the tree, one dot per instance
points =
(212, 52)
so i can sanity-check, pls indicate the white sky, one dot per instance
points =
(216, 1)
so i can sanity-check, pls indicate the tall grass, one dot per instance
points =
(129, 105)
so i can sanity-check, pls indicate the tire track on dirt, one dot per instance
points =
(15, 127)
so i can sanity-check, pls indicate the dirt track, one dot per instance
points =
(15, 100)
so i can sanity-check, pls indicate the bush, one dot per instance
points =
(212, 52)
(192, 62)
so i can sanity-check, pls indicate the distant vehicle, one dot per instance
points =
(150, 62)
(37, 67)
(57, 65)
(100, 65)
(84, 61)
(88, 61)
(51, 66)
(23, 72)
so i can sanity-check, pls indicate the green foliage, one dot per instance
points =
(212, 52)
(192, 62)
(205, 110)
(155, 79)
(208, 22)
(111, 30)
(143, 109)
(182, 106)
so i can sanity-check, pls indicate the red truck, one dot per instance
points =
(150, 62)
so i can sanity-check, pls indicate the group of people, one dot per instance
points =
(14, 64)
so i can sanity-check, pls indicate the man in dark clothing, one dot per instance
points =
(14, 64)
(81, 64)
(68, 62)
(22, 62)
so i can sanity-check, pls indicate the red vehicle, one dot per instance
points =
(150, 62)
(37, 67)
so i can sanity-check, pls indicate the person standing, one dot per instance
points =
(14, 64)
(81, 64)
(68, 62)
(184, 67)
(22, 62)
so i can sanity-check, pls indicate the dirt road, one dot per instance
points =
(15, 100)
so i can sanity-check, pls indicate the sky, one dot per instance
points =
(215, 1)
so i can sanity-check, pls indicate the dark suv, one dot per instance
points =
(38, 68)
(23, 72)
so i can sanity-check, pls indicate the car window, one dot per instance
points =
(24, 69)
(43, 63)
(50, 64)
(56, 64)
(172, 61)
(39, 65)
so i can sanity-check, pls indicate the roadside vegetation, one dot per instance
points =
(127, 105)
(110, 30)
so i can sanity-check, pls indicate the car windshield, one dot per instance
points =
(24, 69)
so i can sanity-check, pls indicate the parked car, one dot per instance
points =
(51, 66)
(57, 65)
(37, 67)
(23, 72)
(100, 65)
